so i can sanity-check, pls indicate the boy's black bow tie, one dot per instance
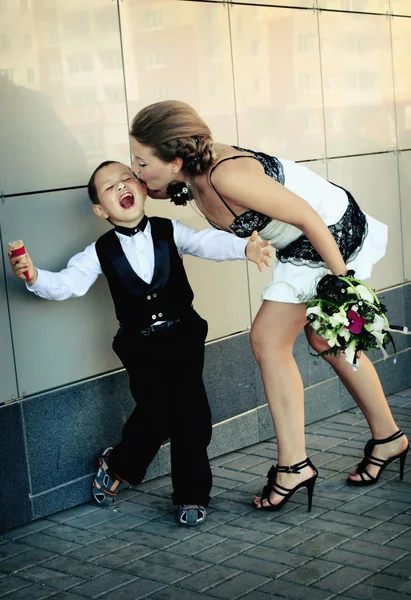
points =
(130, 231)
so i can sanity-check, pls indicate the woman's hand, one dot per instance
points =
(21, 265)
(258, 251)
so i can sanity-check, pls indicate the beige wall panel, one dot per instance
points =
(220, 289)
(373, 181)
(62, 92)
(405, 189)
(357, 83)
(180, 51)
(401, 46)
(286, 3)
(258, 280)
(278, 82)
(401, 7)
(372, 6)
(57, 343)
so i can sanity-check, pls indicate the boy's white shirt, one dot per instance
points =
(84, 268)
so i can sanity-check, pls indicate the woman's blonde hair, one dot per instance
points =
(173, 129)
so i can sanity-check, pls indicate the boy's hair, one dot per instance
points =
(91, 186)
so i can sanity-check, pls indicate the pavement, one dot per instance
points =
(356, 542)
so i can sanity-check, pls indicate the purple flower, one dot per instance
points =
(356, 322)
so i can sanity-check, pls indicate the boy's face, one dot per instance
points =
(121, 195)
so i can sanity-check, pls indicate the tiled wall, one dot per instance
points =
(323, 82)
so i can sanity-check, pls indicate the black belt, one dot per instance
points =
(159, 327)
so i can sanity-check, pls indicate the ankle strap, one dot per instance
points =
(394, 436)
(294, 468)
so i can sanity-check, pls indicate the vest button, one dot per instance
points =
(160, 314)
(154, 317)
(154, 295)
(148, 297)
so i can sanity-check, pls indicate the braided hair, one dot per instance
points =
(173, 129)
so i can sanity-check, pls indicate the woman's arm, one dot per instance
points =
(249, 188)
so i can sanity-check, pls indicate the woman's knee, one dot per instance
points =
(316, 342)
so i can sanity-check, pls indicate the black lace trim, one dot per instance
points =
(251, 220)
(349, 233)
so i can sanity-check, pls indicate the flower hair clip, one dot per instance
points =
(179, 193)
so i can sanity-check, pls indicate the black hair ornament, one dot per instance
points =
(179, 193)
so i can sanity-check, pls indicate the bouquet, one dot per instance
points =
(350, 317)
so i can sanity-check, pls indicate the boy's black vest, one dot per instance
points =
(139, 304)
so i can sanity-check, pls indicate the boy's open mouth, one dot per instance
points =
(126, 200)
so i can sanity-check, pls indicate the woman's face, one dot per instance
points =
(153, 171)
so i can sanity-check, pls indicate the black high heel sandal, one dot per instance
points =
(273, 486)
(369, 459)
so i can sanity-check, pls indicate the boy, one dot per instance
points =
(161, 338)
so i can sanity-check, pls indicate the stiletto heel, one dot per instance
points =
(273, 486)
(369, 459)
(403, 456)
(310, 489)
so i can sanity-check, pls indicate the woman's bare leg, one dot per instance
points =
(365, 387)
(273, 334)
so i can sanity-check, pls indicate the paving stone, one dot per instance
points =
(72, 534)
(52, 544)
(208, 578)
(311, 571)
(225, 550)
(388, 582)
(10, 549)
(11, 584)
(32, 592)
(26, 559)
(367, 592)
(387, 510)
(91, 552)
(291, 538)
(333, 527)
(342, 579)
(137, 536)
(361, 521)
(174, 593)
(121, 523)
(384, 533)
(385, 552)
(197, 544)
(175, 561)
(55, 579)
(166, 529)
(140, 588)
(104, 584)
(401, 568)
(237, 586)
(154, 571)
(260, 522)
(293, 591)
(20, 532)
(257, 595)
(267, 568)
(344, 557)
(272, 554)
(318, 545)
(228, 530)
(93, 518)
(74, 513)
(68, 565)
(122, 556)
(141, 511)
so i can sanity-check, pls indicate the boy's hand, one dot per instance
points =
(21, 265)
(258, 251)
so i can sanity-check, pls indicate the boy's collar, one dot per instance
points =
(130, 231)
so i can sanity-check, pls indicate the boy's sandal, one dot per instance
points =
(190, 515)
(105, 487)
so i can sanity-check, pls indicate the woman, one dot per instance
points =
(317, 228)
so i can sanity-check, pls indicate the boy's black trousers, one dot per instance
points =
(165, 370)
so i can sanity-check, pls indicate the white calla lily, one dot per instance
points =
(365, 293)
(350, 352)
(339, 318)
